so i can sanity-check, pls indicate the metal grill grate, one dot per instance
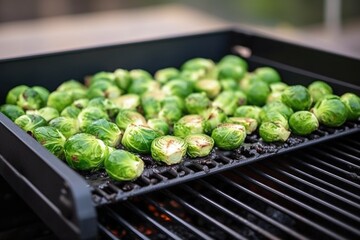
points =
(310, 193)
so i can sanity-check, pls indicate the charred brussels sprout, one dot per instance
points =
(29, 122)
(212, 118)
(122, 78)
(318, 89)
(123, 166)
(13, 95)
(166, 74)
(70, 112)
(228, 101)
(274, 117)
(330, 111)
(30, 99)
(59, 100)
(67, 126)
(168, 149)
(273, 132)
(248, 111)
(278, 107)
(189, 124)
(85, 152)
(126, 117)
(303, 123)
(103, 89)
(105, 105)
(88, 115)
(199, 145)
(52, 139)
(196, 103)
(234, 60)
(48, 113)
(138, 138)
(211, 87)
(229, 136)
(127, 101)
(297, 97)
(268, 75)
(352, 104)
(12, 111)
(107, 131)
(177, 87)
(250, 124)
(257, 93)
(232, 71)
(159, 125)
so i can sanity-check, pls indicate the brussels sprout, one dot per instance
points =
(159, 125)
(248, 111)
(85, 152)
(234, 60)
(48, 113)
(250, 124)
(199, 145)
(107, 131)
(279, 107)
(189, 124)
(140, 74)
(30, 99)
(229, 136)
(141, 86)
(278, 86)
(198, 63)
(212, 118)
(70, 85)
(104, 104)
(228, 101)
(297, 97)
(127, 101)
(318, 89)
(193, 75)
(330, 111)
(59, 100)
(247, 81)
(88, 115)
(170, 113)
(196, 103)
(274, 117)
(43, 92)
(122, 78)
(103, 89)
(52, 139)
(166, 74)
(70, 111)
(168, 149)
(229, 84)
(13, 95)
(257, 93)
(138, 138)
(67, 126)
(273, 132)
(232, 71)
(352, 104)
(173, 101)
(177, 87)
(151, 105)
(303, 123)
(12, 111)
(126, 117)
(102, 76)
(268, 75)
(123, 166)
(274, 97)
(81, 103)
(29, 122)
(211, 87)
(78, 93)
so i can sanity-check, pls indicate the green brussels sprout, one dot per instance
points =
(234, 60)
(151, 105)
(318, 89)
(331, 112)
(88, 115)
(248, 80)
(198, 63)
(13, 95)
(12, 111)
(142, 86)
(78, 93)
(59, 100)
(170, 113)
(297, 97)
(52, 139)
(67, 126)
(43, 92)
(30, 99)
(104, 104)
(126, 117)
(127, 101)
(268, 75)
(102, 76)
(48, 113)
(140, 74)
(173, 101)
(103, 89)
(193, 75)
(211, 87)
(122, 78)
(229, 136)
(228, 101)
(278, 86)
(177, 87)
(70, 85)
(273, 132)
(232, 71)
(303, 123)
(196, 103)
(352, 104)
(279, 107)
(29, 122)
(122, 165)
(274, 97)
(199, 145)
(159, 125)
(106, 131)
(138, 138)
(212, 118)
(85, 152)
(274, 117)
(257, 93)
(168, 149)
(229, 84)
(70, 111)
(81, 103)
(189, 124)
(250, 124)
(166, 74)
(248, 111)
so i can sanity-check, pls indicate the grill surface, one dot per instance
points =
(311, 193)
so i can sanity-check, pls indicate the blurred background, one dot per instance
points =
(38, 26)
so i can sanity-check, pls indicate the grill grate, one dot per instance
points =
(312, 193)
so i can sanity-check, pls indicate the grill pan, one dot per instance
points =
(66, 200)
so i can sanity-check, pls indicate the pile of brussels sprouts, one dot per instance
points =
(112, 117)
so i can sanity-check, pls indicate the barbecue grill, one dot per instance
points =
(303, 188)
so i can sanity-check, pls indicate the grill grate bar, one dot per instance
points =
(350, 148)
(106, 232)
(205, 216)
(349, 157)
(238, 203)
(230, 213)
